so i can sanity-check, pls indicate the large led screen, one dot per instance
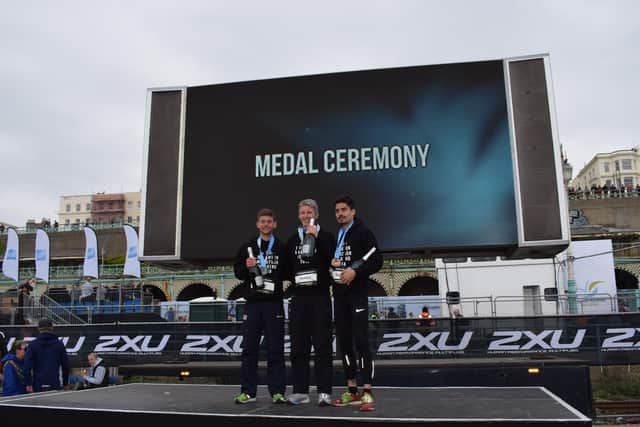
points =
(424, 151)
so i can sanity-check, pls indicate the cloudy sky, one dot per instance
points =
(74, 74)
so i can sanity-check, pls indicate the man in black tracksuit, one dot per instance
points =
(351, 305)
(264, 311)
(310, 307)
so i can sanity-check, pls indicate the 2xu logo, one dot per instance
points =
(619, 340)
(224, 344)
(512, 339)
(70, 346)
(125, 343)
(415, 341)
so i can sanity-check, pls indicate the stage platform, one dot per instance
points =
(212, 405)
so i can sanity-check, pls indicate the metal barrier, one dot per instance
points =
(561, 303)
(60, 311)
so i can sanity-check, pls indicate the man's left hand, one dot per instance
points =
(347, 276)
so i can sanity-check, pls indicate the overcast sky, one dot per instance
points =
(74, 74)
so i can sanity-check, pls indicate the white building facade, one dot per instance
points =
(74, 210)
(619, 167)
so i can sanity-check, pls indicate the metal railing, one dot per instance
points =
(60, 311)
(601, 194)
(52, 228)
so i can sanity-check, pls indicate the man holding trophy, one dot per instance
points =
(260, 264)
(309, 252)
(355, 259)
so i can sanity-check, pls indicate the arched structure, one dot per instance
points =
(195, 290)
(158, 294)
(419, 285)
(237, 292)
(375, 289)
(625, 279)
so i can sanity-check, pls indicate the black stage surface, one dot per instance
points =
(208, 405)
(567, 378)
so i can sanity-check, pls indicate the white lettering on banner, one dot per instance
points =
(619, 341)
(78, 346)
(343, 160)
(222, 345)
(395, 339)
(111, 344)
(511, 339)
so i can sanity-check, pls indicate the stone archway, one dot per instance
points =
(195, 290)
(419, 285)
(375, 289)
(238, 291)
(625, 279)
(158, 294)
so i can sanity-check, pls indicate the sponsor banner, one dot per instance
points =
(11, 258)
(90, 268)
(42, 255)
(604, 339)
(131, 263)
(594, 274)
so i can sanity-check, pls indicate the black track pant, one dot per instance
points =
(351, 314)
(310, 323)
(267, 317)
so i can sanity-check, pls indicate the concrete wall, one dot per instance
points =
(613, 212)
(71, 244)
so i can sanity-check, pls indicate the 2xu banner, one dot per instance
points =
(603, 339)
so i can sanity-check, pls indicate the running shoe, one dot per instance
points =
(279, 398)
(367, 403)
(324, 399)
(346, 399)
(244, 398)
(298, 398)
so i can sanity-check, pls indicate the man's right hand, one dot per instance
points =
(29, 389)
(251, 262)
(335, 262)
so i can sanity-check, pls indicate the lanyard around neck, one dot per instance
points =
(341, 236)
(263, 256)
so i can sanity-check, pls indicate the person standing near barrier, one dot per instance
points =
(261, 265)
(46, 360)
(351, 305)
(310, 307)
(13, 382)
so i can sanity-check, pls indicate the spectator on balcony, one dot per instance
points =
(1, 228)
(170, 315)
(613, 190)
(25, 305)
(638, 190)
(101, 294)
(605, 190)
(86, 291)
(55, 225)
(75, 294)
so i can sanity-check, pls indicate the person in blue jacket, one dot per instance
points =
(13, 370)
(46, 361)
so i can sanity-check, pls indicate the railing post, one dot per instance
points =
(571, 283)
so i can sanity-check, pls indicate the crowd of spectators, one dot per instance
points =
(603, 192)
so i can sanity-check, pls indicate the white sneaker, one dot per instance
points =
(324, 399)
(298, 398)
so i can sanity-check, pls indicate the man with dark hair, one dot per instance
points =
(351, 305)
(310, 307)
(260, 264)
(46, 358)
